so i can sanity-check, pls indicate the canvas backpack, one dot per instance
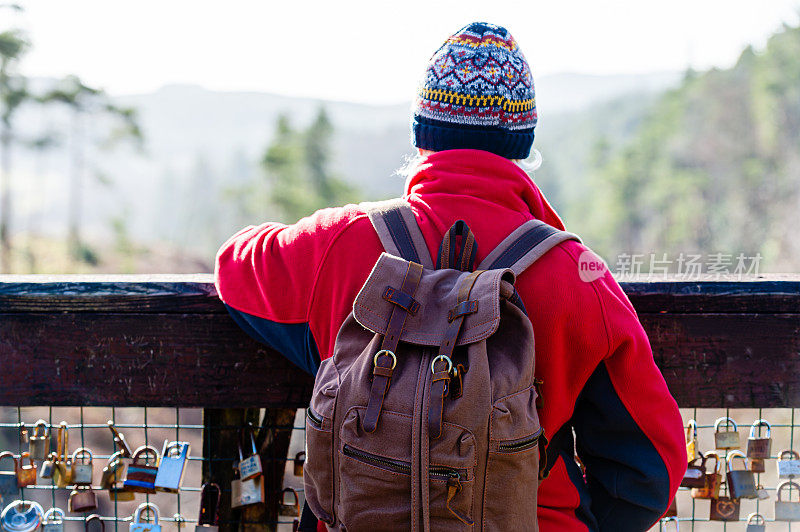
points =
(425, 417)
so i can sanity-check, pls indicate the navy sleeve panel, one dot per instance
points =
(626, 477)
(292, 340)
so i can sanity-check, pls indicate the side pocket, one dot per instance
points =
(318, 475)
(512, 470)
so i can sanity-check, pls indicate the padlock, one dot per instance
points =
(742, 482)
(788, 464)
(48, 467)
(39, 441)
(119, 441)
(299, 462)
(695, 476)
(208, 519)
(727, 439)
(26, 474)
(141, 475)
(62, 474)
(787, 510)
(762, 493)
(22, 516)
(249, 467)
(691, 440)
(137, 526)
(9, 487)
(119, 494)
(173, 463)
(82, 499)
(713, 480)
(24, 434)
(756, 523)
(53, 520)
(245, 492)
(757, 465)
(759, 446)
(724, 508)
(92, 518)
(290, 502)
(667, 521)
(114, 471)
(82, 472)
(672, 510)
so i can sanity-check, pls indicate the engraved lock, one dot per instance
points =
(691, 440)
(91, 519)
(39, 441)
(742, 482)
(53, 520)
(299, 462)
(82, 499)
(119, 441)
(138, 526)
(9, 487)
(26, 474)
(22, 516)
(756, 523)
(758, 445)
(788, 464)
(48, 467)
(673, 520)
(82, 471)
(62, 475)
(695, 476)
(173, 464)
(786, 510)
(249, 467)
(724, 508)
(713, 480)
(289, 503)
(141, 474)
(208, 518)
(246, 492)
(114, 471)
(726, 439)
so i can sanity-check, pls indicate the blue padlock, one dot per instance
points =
(172, 466)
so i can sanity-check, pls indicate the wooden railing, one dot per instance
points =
(167, 340)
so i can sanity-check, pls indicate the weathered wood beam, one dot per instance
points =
(167, 341)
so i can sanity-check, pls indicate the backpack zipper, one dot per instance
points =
(313, 417)
(400, 466)
(520, 445)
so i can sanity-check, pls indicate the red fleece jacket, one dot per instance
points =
(292, 287)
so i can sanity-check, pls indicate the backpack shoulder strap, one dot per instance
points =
(524, 246)
(397, 228)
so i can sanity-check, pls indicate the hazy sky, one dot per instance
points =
(370, 51)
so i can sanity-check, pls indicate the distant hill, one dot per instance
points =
(202, 143)
(712, 167)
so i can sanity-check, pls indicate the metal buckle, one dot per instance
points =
(446, 359)
(385, 352)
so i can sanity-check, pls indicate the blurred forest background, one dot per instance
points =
(684, 162)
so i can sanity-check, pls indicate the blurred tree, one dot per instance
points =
(13, 93)
(298, 164)
(84, 101)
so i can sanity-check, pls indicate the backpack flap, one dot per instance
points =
(435, 297)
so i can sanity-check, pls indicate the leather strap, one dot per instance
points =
(524, 246)
(386, 359)
(464, 260)
(453, 487)
(397, 228)
(441, 377)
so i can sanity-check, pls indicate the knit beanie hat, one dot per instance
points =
(477, 93)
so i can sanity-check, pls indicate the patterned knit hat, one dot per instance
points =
(477, 93)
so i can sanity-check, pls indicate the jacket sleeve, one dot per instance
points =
(266, 276)
(629, 432)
